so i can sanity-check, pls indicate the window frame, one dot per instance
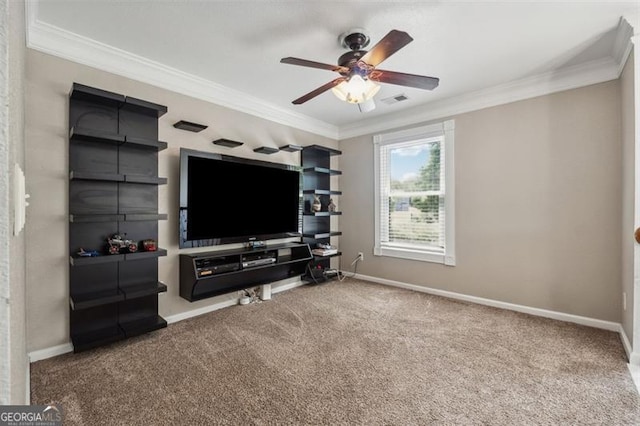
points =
(444, 130)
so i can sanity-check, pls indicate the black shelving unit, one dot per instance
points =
(316, 225)
(113, 189)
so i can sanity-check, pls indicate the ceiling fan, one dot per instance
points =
(357, 68)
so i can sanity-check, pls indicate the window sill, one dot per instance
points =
(412, 254)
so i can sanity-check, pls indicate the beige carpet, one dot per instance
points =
(349, 352)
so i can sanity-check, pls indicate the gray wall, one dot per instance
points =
(538, 198)
(538, 205)
(628, 192)
(49, 81)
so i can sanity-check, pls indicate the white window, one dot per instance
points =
(414, 189)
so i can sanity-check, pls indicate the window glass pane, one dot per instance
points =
(416, 220)
(415, 167)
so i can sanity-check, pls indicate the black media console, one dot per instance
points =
(209, 274)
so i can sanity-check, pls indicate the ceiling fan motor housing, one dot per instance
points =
(354, 39)
(350, 59)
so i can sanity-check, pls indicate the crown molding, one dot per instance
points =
(67, 45)
(555, 81)
(623, 43)
(633, 19)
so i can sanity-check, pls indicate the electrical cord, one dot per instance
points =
(341, 275)
(310, 273)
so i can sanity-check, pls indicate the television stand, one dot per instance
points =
(208, 274)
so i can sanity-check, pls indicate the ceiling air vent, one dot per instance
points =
(395, 99)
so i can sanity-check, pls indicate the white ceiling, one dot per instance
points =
(473, 47)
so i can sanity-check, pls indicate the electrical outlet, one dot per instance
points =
(359, 258)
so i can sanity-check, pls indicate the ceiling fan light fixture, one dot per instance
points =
(356, 90)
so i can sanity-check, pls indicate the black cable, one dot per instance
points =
(311, 273)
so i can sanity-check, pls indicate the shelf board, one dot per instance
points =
(320, 235)
(115, 177)
(145, 143)
(283, 260)
(322, 213)
(141, 290)
(91, 300)
(266, 150)
(109, 258)
(94, 260)
(189, 126)
(228, 143)
(144, 107)
(151, 180)
(291, 148)
(144, 254)
(81, 92)
(322, 170)
(321, 192)
(95, 218)
(107, 177)
(319, 256)
(95, 338)
(144, 216)
(88, 135)
(144, 325)
(328, 150)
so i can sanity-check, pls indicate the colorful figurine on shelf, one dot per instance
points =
(149, 245)
(316, 206)
(87, 253)
(332, 206)
(116, 244)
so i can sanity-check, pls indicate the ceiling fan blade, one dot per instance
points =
(312, 64)
(318, 91)
(403, 79)
(390, 44)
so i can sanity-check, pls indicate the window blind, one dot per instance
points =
(412, 198)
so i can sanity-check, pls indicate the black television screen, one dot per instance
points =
(226, 199)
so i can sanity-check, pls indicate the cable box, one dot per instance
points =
(258, 262)
(259, 259)
(217, 269)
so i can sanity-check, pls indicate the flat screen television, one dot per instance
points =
(226, 199)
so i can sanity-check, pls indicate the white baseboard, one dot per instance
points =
(561, 316)
(200, 311)
(635, 375)
(626, 343)
(50, 352)
(286, 287)
(634, 358)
